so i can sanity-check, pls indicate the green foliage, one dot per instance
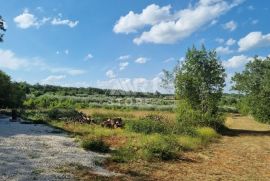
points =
(254, 83)
(65, 114)
(199, 83)
(200, 80)
(188, 117)
(97, 145)
(12, 94)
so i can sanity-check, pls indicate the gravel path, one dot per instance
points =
(38, 152)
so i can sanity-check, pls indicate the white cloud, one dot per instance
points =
(230, 42)
(135, 84)
(167, 27)
(219, 40)
(88, 56)
(52, 79)
(223, 50)
(124, 57)
(59, 21)
(236, 61)
(141, 60)
(123, 65)
(231, 25)
(254, 40)
(110, 74)
(26, 20)
(9, 60)
(151, 15)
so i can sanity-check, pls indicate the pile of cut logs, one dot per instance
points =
(109, 123)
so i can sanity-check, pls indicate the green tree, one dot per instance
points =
(200, 80)
(12, 94)
(2, 28)
(254, 83)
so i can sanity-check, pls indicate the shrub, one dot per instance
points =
(188, 117)
(147, 126)
(160, 147)
(97, 145)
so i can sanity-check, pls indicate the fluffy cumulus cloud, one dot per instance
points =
(53, 80)
(231, 26)
(168, 27)
(151, 15)
(141, 60)
(28, 20)
(123, 65)
(110, 74)
(254, 40)
(135, 84)
(237, 61)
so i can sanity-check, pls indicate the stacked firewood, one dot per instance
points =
(113, 123)
(109, 123)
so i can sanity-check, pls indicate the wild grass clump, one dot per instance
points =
(97, 145)
(207, 134)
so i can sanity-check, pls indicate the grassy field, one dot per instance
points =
(141, 142)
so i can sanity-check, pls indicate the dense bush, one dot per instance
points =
(160, 147)
(188, 117)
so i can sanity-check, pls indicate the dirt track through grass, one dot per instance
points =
(244, 154)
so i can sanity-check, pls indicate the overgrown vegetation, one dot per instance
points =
(254, 84)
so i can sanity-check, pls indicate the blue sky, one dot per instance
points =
(126, 44)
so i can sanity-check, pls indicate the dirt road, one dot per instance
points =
(244, 154)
